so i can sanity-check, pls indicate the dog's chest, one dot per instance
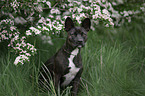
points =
(73, 69)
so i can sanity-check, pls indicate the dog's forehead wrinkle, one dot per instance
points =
(78, 30)
(74, 30)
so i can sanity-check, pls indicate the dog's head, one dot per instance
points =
(77, 36)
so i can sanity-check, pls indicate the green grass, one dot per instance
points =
(113, 60)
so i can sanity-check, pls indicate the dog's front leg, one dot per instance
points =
(75, 86)
(56, 80)
(76, 83)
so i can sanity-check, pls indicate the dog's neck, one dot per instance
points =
(68, 49)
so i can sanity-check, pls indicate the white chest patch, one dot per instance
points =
(73, 69)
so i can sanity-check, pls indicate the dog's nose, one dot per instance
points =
(79, 37)
(80, 43)
(80, 40)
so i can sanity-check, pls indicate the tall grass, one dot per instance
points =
(113, 60)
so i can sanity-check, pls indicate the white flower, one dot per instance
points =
(51, 16)
(42, 20)
(114, 3)
(24, 51)
(49, 4)
(106, 12)
(16, 37)
(130, 12)
(4, 31)
(70, 4)
(12, 28)
(87, 8)
(43, 1)
(21, 59)
(3, 37)
(79, 9)
(28, 32)
(23, 37)
(50, 26)
(45, 28)
(39, 8)
(10, 35)
(125, 13)
(77, 2)
(104, 16)
(59, 27)
(56, 11)
(107, 25)
(97, 7)
(95, 16)
(36, 31)
(111, 23)
(70, 0)
(82, 6)
(58, 17)
(78, 19)
(90, 1)
(48, 20)
(71, 9)
(82, 15)
(18, 44)
(17, 60)
(39, 27)
(31, 48)
(28, 54)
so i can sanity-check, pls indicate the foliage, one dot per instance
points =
(21, 20)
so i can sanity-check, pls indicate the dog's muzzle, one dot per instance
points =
(80, 41)
(80, 44)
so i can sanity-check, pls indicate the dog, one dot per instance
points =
(66, 66)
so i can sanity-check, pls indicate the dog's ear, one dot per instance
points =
(68, 24)
(86, 24)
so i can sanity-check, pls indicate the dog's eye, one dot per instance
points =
(73, 35)
(83, 34)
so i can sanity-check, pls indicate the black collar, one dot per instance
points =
(67, 52)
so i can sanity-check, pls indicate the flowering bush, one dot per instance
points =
(28, 13)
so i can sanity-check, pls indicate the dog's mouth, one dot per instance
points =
(79, 46)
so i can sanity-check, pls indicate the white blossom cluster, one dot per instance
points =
(9, 32)
(89, 8)
(121, 16)
(52, 24)
(98, 10)
(15, 5)
(24, 49)
(78, 10)
(21, 59)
